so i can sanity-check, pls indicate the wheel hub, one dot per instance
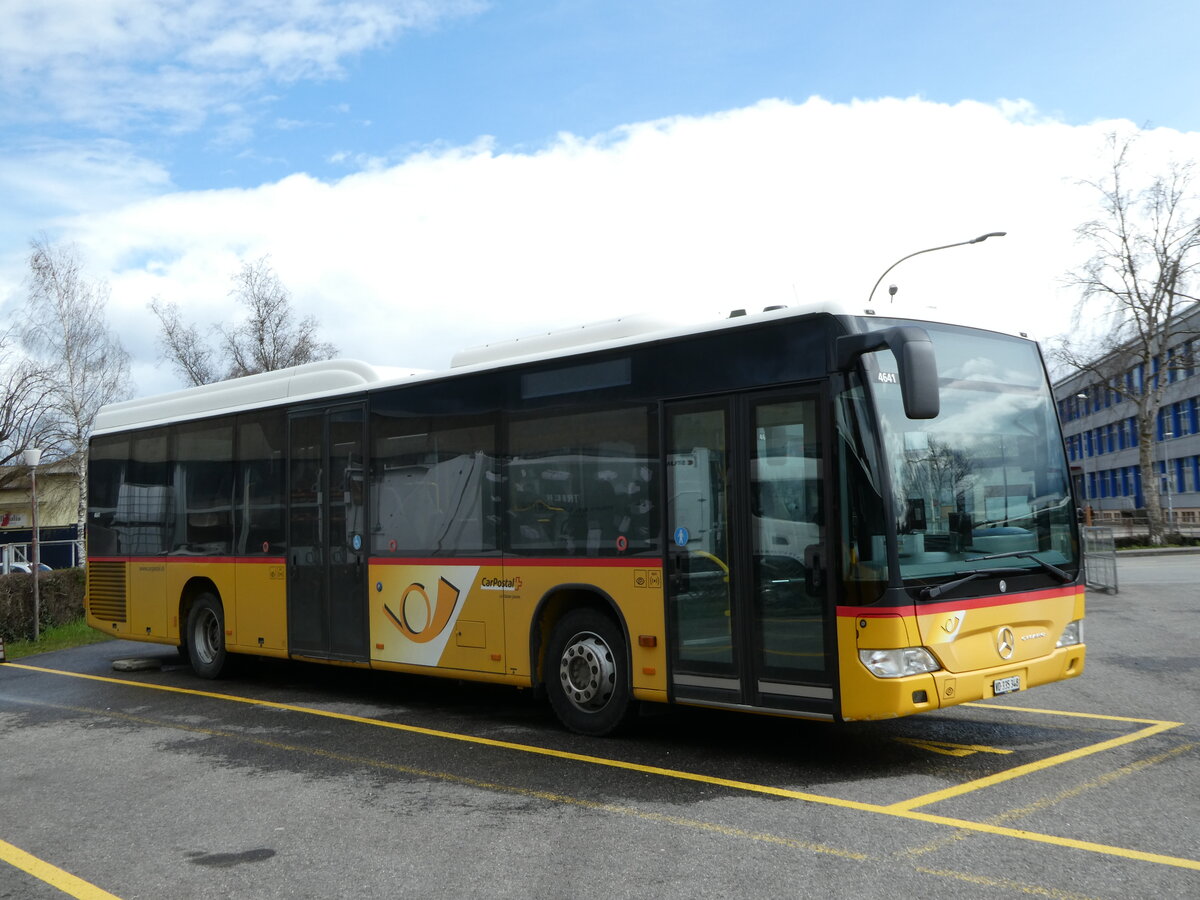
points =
(207, 636)
(587, 672)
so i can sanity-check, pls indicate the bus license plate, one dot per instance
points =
(1006, 685)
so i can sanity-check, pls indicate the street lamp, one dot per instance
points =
(1083, 457)
(978, 240)
(1167, 435)
(33, 456)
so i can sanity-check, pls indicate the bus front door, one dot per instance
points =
(750, 609)
(327, 601)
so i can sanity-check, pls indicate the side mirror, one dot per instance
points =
(913, 350)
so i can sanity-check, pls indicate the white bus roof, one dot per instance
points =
(332, 378)
(311, 379)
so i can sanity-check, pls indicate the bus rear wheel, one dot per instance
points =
(206, 636)
(587, 673)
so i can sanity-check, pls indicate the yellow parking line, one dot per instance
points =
(1018, 771)
(1066, 714)
(1065, 794)
(52, 875)
(471, 739)
(450, 777)
(900, 810)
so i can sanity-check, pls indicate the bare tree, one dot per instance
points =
(25, 422)
(182, 346)
(269, 338)
(1146, 254)
(67, 333)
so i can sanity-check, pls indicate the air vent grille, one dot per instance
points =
(106, 590)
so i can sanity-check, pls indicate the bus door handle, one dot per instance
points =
(678, 577)
(814, 572)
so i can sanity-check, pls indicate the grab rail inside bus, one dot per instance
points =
(914, 359)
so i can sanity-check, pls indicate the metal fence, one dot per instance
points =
(1100, 558)
(1138, 527)
(56, 554)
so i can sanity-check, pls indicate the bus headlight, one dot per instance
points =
(1072, 634)
(898, 663)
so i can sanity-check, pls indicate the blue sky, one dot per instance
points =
(170, 139)
(521, 72)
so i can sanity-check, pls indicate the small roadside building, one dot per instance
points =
(58, 505)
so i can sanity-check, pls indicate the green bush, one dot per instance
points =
(60, 599)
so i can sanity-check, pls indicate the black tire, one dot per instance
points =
(206, 636)
(587, 673)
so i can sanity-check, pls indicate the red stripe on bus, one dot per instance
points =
(241, 560)
(925, 608)
(512, 562)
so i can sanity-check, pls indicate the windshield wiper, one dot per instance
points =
(932, 593)
(1027, 554)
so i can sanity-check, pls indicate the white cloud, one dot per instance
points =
(775, 203)
(44, 182)
(105, 63)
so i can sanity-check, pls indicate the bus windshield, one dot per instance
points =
(985, 484)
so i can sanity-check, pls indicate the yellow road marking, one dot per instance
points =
(899, 810)
(1006, 883)
(1037, 766)
(948, 749)
(1064, 714)
(548, 796)
(52, 875)
(1065, 794)
(1101, 781)
(471, 739)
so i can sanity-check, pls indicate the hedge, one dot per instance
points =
(60, 600)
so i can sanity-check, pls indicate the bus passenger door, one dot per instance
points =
(327, 616)
(789, 589)
(746, 563)
(705, 652)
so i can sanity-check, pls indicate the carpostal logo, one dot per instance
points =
(502, 584)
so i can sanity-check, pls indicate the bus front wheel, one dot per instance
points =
(206, 636)
(587, 673)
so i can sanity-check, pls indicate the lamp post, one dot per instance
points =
(977, 240)
(1167, 435)
(1087, 506)
(33, 456)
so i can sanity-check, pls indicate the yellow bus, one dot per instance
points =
(819, 512)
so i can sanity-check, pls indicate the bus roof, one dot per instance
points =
(311, 379)
(346, 376)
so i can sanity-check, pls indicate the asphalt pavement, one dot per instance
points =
(291, 780)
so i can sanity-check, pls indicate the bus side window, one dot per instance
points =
(106, 470)
(432, 486)
(261, 477)
(864, 527)
(203, 463)
(583, 484)
(144, 513)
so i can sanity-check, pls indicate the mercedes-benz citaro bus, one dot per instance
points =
(819, 512)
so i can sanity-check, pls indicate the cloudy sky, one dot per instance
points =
(428, 175)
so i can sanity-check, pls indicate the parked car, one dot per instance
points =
(26, 568)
